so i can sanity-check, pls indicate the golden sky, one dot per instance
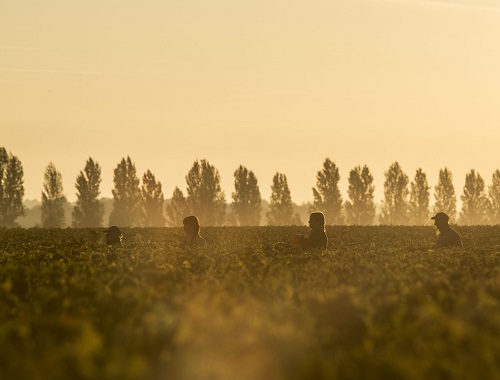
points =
(273, 85)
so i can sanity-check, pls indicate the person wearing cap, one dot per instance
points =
(448, 237)
(317, 238)
(113, 236)
(192, 230)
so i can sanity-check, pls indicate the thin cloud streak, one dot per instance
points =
(8, 81)
(438, 3)
(78, 72)
(6, 47)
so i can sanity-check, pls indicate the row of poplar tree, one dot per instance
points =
(405, 202)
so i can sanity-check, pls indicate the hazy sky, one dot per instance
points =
(273, 85)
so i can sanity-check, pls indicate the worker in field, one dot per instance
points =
(448, 237)
(113, 236)
(317, 238)
(192, 238)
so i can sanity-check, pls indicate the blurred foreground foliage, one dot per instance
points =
(381, 303)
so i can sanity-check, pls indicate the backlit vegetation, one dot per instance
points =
(380, 303)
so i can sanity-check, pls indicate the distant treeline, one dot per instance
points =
(143, 204)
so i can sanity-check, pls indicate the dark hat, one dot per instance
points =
(191, 221)
(441, 216)
(114, 230)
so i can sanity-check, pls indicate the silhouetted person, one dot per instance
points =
(448, 237)
(192, 230)
(317, 238)
(113, 236)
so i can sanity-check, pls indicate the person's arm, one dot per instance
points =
(300, 240)
(304, 242)
(317, 239)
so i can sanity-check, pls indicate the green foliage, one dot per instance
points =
(381, 303)
(88, 211)
(177, 209)
(360, 208)
(11, 189)
(127, 205)
(395, 204)
(246, 197)
(327, 197)
(494, 193)
(280, 206)
(419, 199)
(475, 203)
(152, 201)
(444, 194)
(205, 197)
(53, 199)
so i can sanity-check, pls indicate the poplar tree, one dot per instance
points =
(127, 210)
(152, 201)
(360, 208)
(280, 206)
(475, 202)
(53, 199)
(205, 197)
(246, 198)
(419, 198)
(444, 194)
(494, 193)
(395, 204)
(88, 211)
(177, 209)
(4, 162)
(327, 197)
(11, 189)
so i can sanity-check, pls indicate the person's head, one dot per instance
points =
(191, 225)
(113, 235)
(440, 220)
(317, 220)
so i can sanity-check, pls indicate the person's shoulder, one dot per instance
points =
(448, 231)
(449, 238)
(318, 232)
(319, 239)
(198, 241)
(452, 233)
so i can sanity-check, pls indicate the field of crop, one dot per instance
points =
(381, 303)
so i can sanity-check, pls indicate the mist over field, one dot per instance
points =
(33, 212)
(142, 203)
